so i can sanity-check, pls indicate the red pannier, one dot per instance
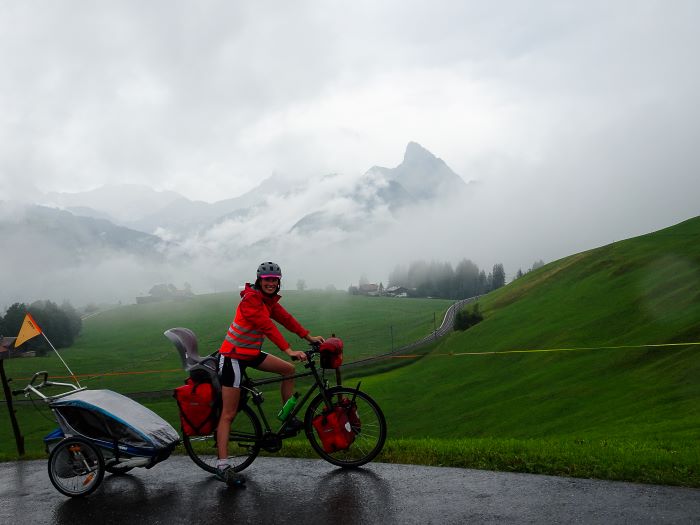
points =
(331, 353)
(334, 429)
(350, 408)
(198, 408)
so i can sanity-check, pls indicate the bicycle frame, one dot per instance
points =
(249, 386)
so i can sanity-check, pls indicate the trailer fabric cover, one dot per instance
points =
(145, 427)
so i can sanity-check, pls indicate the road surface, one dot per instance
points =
(283, 490)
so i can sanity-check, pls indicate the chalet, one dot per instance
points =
(396, 291)
(7, 347)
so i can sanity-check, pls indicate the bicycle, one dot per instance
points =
(252, 432)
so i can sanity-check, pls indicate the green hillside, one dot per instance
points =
(641, 291)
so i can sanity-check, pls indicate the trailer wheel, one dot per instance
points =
(76, 467)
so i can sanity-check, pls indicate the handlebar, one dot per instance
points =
(31, 388)
(311, 352)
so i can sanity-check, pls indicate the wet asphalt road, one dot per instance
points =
(311, 491)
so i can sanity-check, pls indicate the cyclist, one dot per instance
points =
(242, 347)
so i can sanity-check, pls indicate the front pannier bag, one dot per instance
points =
(198, 408)
(331, 353)
(334, 429)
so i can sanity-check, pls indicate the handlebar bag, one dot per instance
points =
(198, 407)
(331, 353)
(334, 429)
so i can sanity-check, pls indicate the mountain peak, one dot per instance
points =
(417, 153)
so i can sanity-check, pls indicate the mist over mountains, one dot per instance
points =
(115, 242)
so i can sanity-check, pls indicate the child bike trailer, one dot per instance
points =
(103, 430)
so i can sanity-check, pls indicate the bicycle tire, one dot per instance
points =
(370, 433)
(243, 444)
(76, 467)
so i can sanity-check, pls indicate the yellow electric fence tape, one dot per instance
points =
(531, 351)
(411, 356)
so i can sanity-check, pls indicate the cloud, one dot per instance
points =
(580, 120)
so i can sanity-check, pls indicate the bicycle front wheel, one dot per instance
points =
(76, 467)
(364, 417)
(243, 443)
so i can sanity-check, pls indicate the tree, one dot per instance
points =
(537, 264)
(162, 291)
(301, 285)
(499, 276)
(466, 279)
(13, 319)
(466, 319)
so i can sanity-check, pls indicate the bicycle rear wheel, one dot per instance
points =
(366, 421)
(76, 467)
(243, 443)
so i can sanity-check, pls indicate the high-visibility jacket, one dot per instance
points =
(253, 322)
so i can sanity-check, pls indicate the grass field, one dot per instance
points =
(601, 404)
(124, 349)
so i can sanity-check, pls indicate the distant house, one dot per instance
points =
(369, 289)
(396, 291)
(165, 292)
(8, 350)
(6, 345)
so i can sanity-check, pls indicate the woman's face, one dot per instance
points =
(269, 285)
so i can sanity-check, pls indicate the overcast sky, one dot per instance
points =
(577, 117)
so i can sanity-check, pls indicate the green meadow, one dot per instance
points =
(586, 367)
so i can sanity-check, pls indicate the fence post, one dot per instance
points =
(19, 439)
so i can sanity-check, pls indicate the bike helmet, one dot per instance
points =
(269, 269)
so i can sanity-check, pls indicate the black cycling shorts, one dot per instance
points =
(231, 370)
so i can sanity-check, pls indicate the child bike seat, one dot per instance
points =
(185, 341)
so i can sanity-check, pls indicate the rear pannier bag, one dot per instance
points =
(331, 353)
(198, 408)
(334, 429)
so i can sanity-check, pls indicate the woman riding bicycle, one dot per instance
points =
(242, 348)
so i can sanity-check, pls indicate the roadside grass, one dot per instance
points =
(622, 460)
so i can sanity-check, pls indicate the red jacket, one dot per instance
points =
(253, 322)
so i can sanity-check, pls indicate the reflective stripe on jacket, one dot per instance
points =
(253, 322)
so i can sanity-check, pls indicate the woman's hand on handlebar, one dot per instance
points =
(314, 339)
(296, 355)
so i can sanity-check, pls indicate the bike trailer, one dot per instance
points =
(120, 426)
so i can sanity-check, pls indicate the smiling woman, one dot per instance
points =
(242, 348)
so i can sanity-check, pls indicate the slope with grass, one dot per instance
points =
(641, 291)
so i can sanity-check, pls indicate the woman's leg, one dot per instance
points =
(229, 406)
(282, 367)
